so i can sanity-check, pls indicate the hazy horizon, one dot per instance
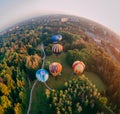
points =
(14, 22)
(100, 11)
(17, 22)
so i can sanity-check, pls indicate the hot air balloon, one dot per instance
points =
(57, 48)
(78, 67)
(42, 75)
(55, 68)
(56, 38)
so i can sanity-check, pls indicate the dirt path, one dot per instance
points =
(30, 101)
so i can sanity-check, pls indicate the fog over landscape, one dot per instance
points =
(103, 12)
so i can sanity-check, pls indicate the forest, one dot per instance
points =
(21, 56)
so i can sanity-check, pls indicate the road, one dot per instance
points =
(31, 92)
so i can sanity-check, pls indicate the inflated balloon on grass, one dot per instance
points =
(42, 75)
(56, 38)
(55, 68)
(78, 67)
(57, 48)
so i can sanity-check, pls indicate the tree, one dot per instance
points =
(103, 100)
(17, 109)
(5, 102)
(76, 97)
(1, 109)
(32, 64)
(32, 61)
(48, 50)
(74, 55)
(4, 89)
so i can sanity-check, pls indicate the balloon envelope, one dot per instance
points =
(78, 67)
(56, 38)
(42, 75)
(55, 68)
(57, 48)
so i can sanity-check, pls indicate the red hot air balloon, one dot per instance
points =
(57, 48)
(78, 67)
(55, 68)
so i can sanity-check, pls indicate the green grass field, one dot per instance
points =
(39, 102)
(95, 79)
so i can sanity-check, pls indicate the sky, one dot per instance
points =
(105, 12)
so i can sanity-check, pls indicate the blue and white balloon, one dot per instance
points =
(42, 75)
(56, 38)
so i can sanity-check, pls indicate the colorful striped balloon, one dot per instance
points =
(55, 68)
(78, 67)
(57, 48)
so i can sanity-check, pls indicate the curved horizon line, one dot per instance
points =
(22, 20)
